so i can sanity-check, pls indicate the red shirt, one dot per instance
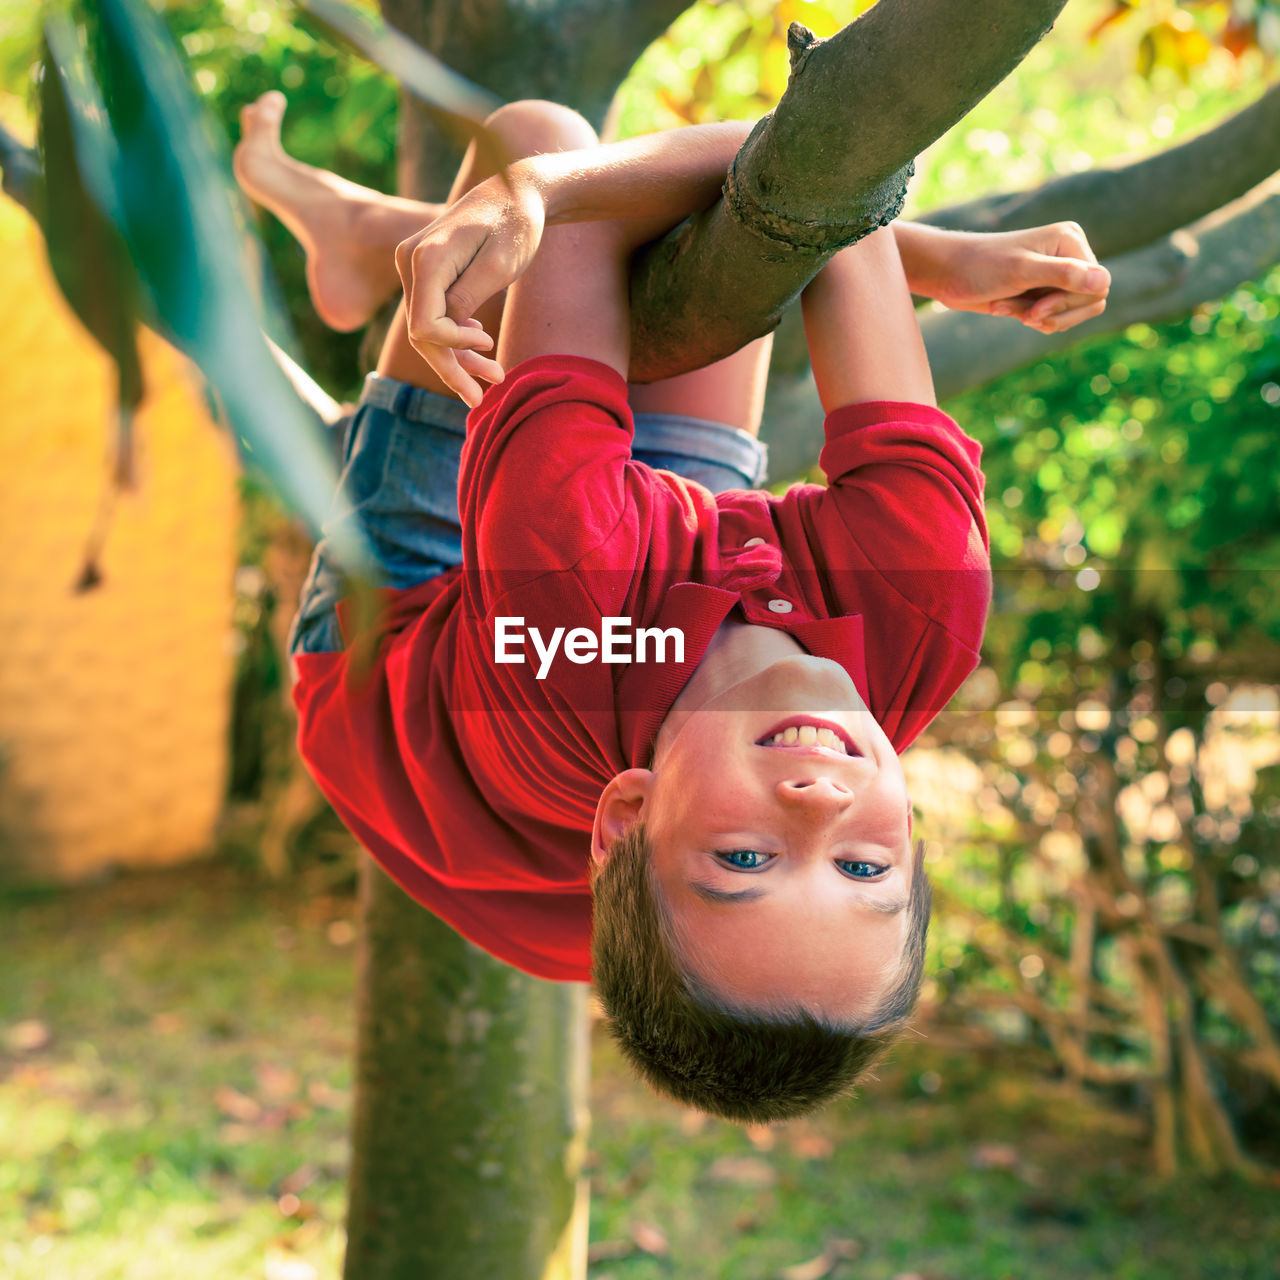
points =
(475, 783)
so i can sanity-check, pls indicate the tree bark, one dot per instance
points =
(576, 52)
(826, 158)
(1159, 282)
(470, 1120)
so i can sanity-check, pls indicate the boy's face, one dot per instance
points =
(784, 857)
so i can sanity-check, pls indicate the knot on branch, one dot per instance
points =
(801, 42)
(873, 207)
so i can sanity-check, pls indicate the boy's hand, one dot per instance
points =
(474, 250)
(1047, 277)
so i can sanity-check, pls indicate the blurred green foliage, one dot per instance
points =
(342, 116)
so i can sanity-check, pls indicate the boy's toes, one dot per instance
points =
(264, 115)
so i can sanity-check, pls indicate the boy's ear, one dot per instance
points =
(618, 810)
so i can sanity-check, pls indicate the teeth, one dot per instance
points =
(808, 735)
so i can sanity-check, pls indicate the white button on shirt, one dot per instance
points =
(780, 606)
(754, 542)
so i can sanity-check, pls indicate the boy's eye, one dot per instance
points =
(744, 859)
(862, 870)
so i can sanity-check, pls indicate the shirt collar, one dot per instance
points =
(646, 690)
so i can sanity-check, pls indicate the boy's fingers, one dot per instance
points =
(480, 366)
(1016, 307)
(1070, 275)
(446, 363)
(486, 274)
(1055, 305)
(1073, 316)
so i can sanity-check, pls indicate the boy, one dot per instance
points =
(759, 915)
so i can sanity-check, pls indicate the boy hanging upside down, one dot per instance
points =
(631, 719)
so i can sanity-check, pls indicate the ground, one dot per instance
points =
(175, 1087)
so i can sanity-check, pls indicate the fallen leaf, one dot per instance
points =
(761, 1136)
(743, 1171)
(27, 1036)
(301, 1178)
(650, 1237)
(239, 1106)
(812, 1146)
(341, 933)
(994, 1155)
(276, 1083)
(825, 1263)
(167, 1024)
(325, 1095)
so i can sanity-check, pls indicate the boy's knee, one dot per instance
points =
(532, 126)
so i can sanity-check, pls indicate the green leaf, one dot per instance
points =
(78, 215)
(176, 204)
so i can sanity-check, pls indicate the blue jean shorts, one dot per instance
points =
(400, 477)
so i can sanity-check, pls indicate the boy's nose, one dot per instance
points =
(819, 796)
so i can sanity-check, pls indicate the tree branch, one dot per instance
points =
(576, 52)
(1126, 204)
(713, 285)
(1159, 282)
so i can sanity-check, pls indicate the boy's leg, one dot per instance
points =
(522, 129)
(403, 446)
(349, 232)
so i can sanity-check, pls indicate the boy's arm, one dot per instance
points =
(903, 509)
(864, 341)
(1048, 277)
(486, 239)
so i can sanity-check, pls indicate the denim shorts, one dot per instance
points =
(400, 477)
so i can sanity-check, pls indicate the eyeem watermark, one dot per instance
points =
(616, 643)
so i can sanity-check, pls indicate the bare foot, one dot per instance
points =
(349, 232)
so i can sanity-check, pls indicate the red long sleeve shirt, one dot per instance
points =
(474, 783)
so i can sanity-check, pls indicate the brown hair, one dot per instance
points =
(687, 1044)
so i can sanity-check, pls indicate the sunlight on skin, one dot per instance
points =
(821, 834)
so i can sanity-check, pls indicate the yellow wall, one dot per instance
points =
(114, 703)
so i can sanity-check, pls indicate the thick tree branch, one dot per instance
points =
(713, 285)
(1124, 205)
(1159, 282)
(574, 51)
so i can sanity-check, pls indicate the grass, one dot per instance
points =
(175, 1088)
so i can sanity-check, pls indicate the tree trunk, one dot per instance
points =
(470, 1124)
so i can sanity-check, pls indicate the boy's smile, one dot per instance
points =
(779, 823)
